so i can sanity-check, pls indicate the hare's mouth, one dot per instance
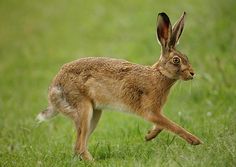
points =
(190, 77)
(187, 77)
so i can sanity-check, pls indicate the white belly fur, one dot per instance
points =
(113, 107)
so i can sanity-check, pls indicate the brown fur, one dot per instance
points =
(82, 88)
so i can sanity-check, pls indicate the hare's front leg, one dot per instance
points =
(165, 123)
(153, 132)
(83, 125)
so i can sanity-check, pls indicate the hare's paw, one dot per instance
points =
(193, 140)
(152, 134)
(84, 156)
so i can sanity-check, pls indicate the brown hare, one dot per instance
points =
(84, 87)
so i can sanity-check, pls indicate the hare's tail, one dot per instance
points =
(52, 110)
(46, 114)
(57, 104)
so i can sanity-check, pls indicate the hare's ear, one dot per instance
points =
(177, 31)
(163, 30)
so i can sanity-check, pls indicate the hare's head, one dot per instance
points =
(172, 63)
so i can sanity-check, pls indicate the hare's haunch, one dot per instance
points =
(82, 88)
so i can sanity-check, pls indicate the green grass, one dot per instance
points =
(37, 37)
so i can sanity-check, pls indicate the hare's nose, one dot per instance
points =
(192, 73)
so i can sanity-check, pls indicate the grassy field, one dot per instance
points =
(37, 37)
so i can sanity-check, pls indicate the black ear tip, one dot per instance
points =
(184, 13)
(164, 16)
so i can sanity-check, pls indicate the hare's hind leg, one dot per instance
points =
(81, 115)
(83, 125)
(94, 121)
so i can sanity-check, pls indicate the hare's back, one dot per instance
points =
(99, 64)
(104, 69)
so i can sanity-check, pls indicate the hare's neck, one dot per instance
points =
(164, 82)
(163, 87)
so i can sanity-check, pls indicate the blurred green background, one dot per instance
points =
(37, 37)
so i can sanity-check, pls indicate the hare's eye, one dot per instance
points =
(176, 60)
